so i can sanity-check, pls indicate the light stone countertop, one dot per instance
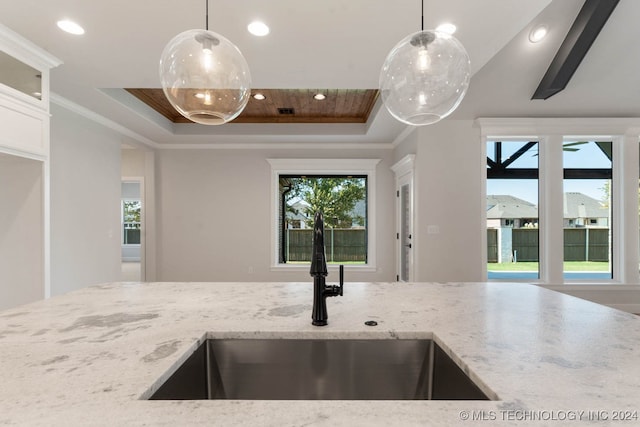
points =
(87, 358)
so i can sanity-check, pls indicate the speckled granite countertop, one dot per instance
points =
(89, 357)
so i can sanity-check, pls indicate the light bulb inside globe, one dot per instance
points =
(434, 86)
(423, 59)
(207, 60)
(205, 77)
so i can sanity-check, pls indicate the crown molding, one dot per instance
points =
(91, 115)
(20, 48)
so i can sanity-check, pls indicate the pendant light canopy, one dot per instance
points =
(205, 77)
(424, 77)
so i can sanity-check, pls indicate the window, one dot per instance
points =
(300, 186)
(588, 204)
(343, 202)
(131, 222)
(512, 210)
(587, 209)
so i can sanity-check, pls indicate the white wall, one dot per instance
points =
(408, 145)
(214, 215)
(448, 187)
(85, 202)
(21, 231)
(213, 208)
(133, 162)
(139, 162)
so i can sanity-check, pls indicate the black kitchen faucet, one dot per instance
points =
(319, 271)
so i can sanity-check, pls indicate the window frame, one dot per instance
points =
(538, 173)
(366, 167)
(614, 197)
(282, 219)
(551, 132)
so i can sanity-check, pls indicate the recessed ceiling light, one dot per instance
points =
(319, 96)
(447, 28)
(258, 28)
(259, 96)
(538, 33)
(70, 27)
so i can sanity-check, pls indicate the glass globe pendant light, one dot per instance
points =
(424, 77)
(204, 76)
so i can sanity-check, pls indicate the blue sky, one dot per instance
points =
(587, 156)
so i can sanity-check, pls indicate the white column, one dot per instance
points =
(625, 224)
(551, 210)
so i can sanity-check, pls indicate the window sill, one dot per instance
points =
(571, 284)
(333, 268)
(593, 286)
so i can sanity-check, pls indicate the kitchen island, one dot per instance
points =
(93, 356)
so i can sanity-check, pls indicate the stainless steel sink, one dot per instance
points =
(291, 369)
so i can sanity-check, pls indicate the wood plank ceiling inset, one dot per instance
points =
(340, 106)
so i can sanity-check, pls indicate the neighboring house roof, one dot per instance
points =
(505, 206)
(300, 206)
(578, 205)
(298, 203)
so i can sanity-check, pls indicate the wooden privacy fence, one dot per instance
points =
(341, 244)
(586, 244)
(525, 244)
(580, 244)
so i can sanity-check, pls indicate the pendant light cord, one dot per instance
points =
(206, 24)
(422, 17)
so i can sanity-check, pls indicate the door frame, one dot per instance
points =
(404, 175)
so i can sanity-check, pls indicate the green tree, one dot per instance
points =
(336, 197)
(131, 210)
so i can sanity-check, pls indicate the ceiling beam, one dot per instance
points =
(586, 27)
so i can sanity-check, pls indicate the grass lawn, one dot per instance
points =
(533, 266)
(329, 262)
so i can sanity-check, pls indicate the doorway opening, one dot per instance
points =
(132, 230)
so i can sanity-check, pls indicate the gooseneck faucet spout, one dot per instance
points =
(319, 272)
